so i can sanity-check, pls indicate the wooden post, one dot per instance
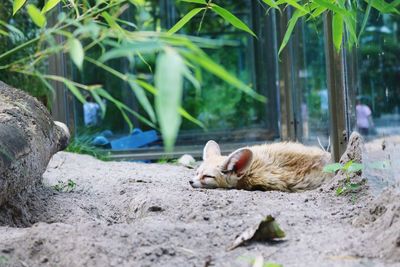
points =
(337, 87)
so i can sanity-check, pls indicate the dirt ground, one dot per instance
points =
(133, 214)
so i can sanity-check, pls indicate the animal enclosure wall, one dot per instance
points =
(294, 83)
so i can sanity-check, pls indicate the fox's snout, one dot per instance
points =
(200, 181)
(195, 182)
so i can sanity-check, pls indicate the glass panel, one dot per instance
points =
(378, 96)
(222, 108)
(310, 89)
(87, 117)
(378, 100)
(228, 114)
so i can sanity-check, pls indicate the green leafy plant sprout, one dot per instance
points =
(3, 260)
(348, 168)
(65, 187)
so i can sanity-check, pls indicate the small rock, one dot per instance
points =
(398, 241)
(187, 160)
(155, 209)
(172, 253)
(208, 261)
(7, 250)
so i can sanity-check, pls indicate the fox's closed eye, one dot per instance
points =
(208, 176)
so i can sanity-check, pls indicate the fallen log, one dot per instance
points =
(28, 139)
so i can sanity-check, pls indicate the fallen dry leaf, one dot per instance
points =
(267, 229)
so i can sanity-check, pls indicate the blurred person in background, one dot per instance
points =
(363, 117)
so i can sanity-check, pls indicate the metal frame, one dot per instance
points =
(286, 83)
(62, 109)
(266, 65)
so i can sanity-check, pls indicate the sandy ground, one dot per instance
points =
(133, 214)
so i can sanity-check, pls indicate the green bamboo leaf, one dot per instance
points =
(365, 19)
(111, 22)
(294, 4)
(50, 5)
(188, 75)
(383, 6)
(291, 24)
(329, 5)
(169, 84)
(232, 19)
(38, 18)
(342, 3)
(2, 32)
(337, 30)
(74, 90)
(317, 12)
(121, 107)
(17, 5)
(271, 3)
(117, 53)
(126, 118)
(76, 52)
(394, 4)
(182, 111)
(128, 49)
(150, 88)
(47, 84)
(185, 20)
(124, 109)
(351, 25)
(189, 117)
(99, 101)
(206, 63)
(195, 1)
(142, 98)
(12, 29)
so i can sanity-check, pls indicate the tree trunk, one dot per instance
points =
(28, 139)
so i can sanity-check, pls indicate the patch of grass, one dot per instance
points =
(165, 160)
(83, 145)
(3, 260)
(65, 187)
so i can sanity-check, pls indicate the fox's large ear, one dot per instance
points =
(239, 160)
(211, 149)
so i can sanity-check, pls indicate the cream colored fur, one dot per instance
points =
(279, 166)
